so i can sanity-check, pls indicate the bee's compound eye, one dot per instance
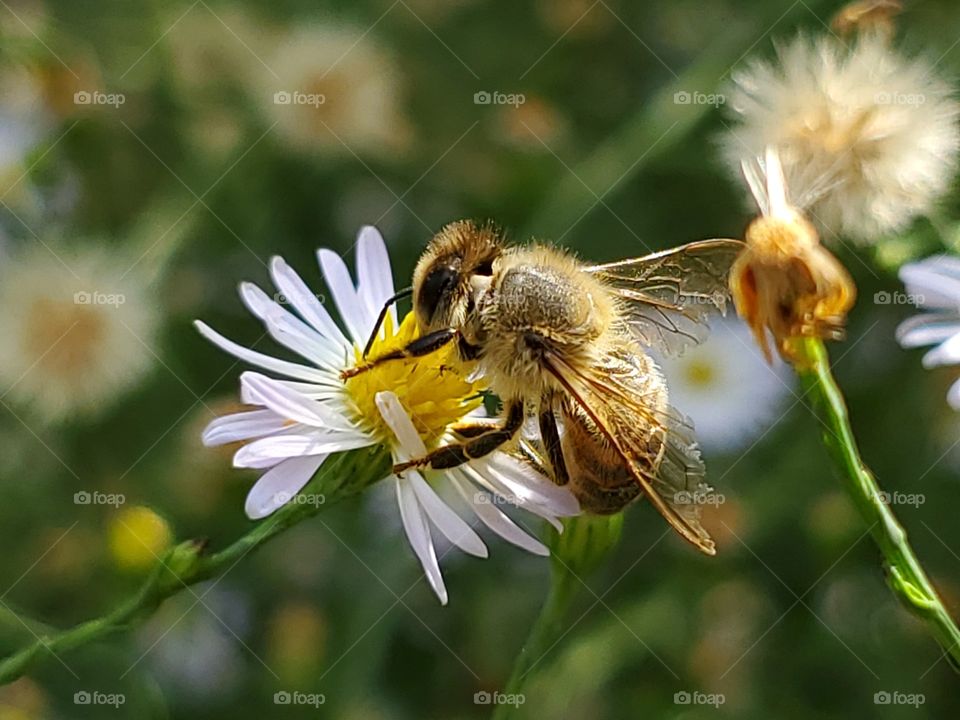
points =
(440, 281)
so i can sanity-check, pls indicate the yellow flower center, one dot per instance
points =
(433, 389)
(700, 374)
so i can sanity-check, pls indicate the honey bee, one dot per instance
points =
(565, 343)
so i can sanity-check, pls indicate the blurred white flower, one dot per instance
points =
(78, 329)
(23, 121)
(934, 284)
(868, 138)
(333, 89)
(726, 387)
(403, 405)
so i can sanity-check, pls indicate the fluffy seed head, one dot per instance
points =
(868, 138)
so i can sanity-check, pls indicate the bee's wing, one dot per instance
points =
(677, 485)
(667, 295)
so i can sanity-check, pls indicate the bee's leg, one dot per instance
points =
(473, 429)
(550, 435)
(424, 345)
(450, 456)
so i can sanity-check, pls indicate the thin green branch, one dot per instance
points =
(188, 563)
(905, 575)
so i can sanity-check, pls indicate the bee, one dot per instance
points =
(566, 343)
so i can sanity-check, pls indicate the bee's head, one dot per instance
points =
(442, 287)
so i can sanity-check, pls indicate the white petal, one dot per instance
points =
(291, 332)
(374, 275)
(277, 486)
(352, 309)
(260, 390)
(506, 494)
(496, 519)
(418, 533)
(305, 302)
(453, 527)
(527, 483)
(927, 329)
(953, 395)
(947, 353)
(293, 370)
(933, 281)
(397, 419)
(243, 426)
(263, 452)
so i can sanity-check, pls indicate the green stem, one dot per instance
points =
(905, 575)
(545, 632)
(187, 563)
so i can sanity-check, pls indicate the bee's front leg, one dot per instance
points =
(424, 345)
(455, 454)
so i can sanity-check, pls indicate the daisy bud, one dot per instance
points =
(868, 138)
(785, 281)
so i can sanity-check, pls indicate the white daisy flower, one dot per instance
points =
(78, 326)
(934, 284)
(726, 387)
(405, 406)
(867, 137)
(335, 90)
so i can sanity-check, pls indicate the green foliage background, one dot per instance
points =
(790, 620)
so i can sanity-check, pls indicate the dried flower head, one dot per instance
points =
(785, 281)
(875, 16)
(868, 138)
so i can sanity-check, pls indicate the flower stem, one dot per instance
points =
(545, 632)
(905, 575)
(187, 563)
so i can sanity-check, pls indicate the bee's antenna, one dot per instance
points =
(399, 295)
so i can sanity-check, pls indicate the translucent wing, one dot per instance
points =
(667, 296)
(672, 475)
